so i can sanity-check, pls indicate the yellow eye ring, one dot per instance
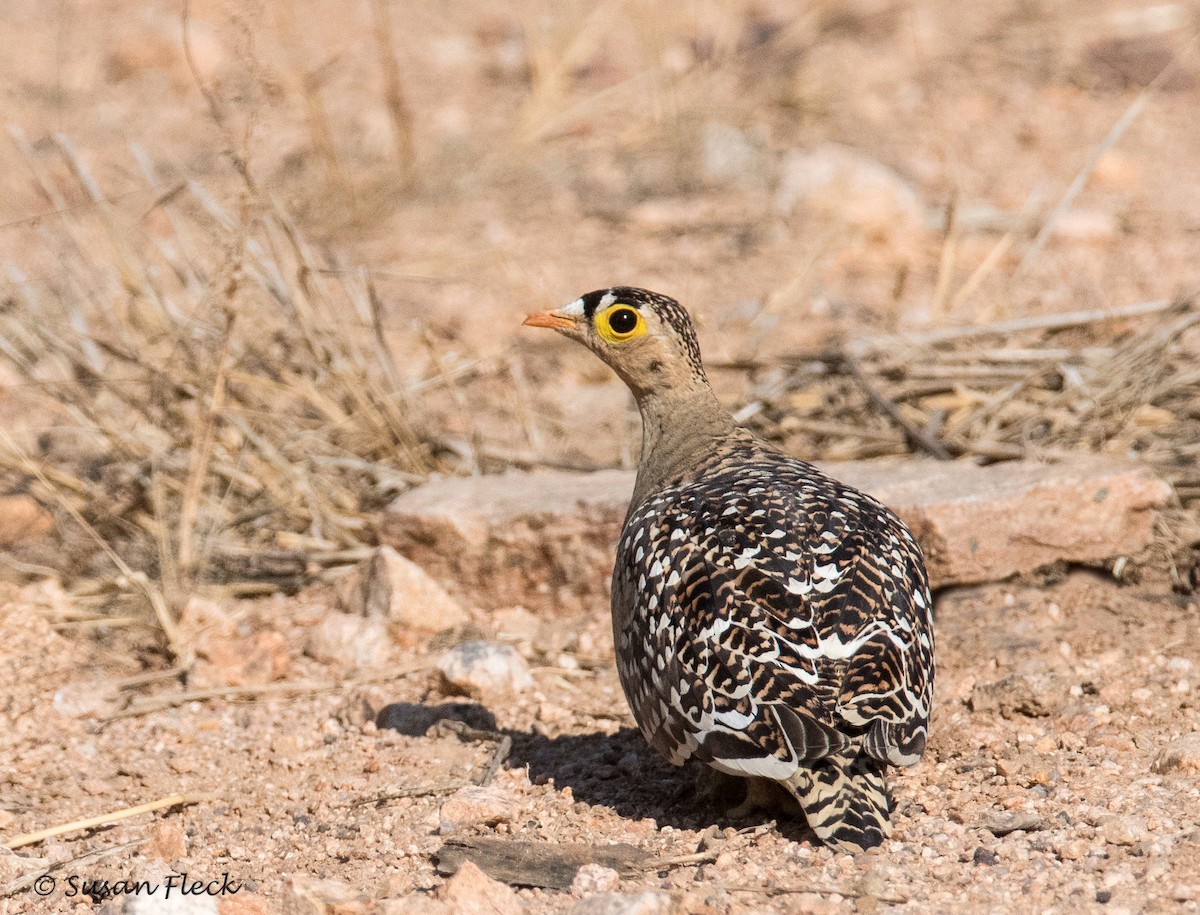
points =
(620, 323)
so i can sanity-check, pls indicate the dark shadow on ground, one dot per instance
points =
(414, 719)
(624, 773)
(619, 771)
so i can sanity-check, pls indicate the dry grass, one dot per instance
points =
(221, 402)
(213, 400)
(1070, 382)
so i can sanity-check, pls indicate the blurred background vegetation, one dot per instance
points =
(264, 263)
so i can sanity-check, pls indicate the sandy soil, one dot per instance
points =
(559, 149)
(1039, 791)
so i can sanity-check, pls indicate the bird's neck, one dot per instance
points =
(679, 429)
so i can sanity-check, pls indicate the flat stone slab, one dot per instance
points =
(546, 539)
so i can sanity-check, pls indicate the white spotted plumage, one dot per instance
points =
(768, 620)
(789, 610)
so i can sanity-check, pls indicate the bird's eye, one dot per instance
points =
(623, 320)
(620, 324)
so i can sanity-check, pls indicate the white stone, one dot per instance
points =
(348, 641)
(595, 878)
(485, 668)
(476, 806)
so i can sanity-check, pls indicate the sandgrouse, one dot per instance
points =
(768, 620)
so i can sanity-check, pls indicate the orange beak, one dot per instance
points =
(555, 320)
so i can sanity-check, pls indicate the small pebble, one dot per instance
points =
(475, 806)
(1001, 824)
(984, 856)
(595, 878)
(1122, 830)
(1182, 755)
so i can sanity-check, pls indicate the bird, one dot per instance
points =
(768, 620)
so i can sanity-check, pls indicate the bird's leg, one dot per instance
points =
(761, 794)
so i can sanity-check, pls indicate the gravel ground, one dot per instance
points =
(1060, 774)
(1056, 778)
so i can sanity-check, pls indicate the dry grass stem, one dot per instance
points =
(393, 89)
(1108, 142)
(175, 700)
(104, 819)
(75, 863)
(236, 414)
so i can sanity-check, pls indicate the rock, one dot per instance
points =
(167, 842)
(595, 878)
(1087, 509)
(1003, 823)
(1033, 696)
(650, 903)
(984, 856)
(846, 186)
(235, 660)
(482, 668)
(1072, 849)
(387, 586)
(471, 890)
(22, 519)
(308, 896)
(1182, 755)
(729, 156)
(349, 641)
(546, 539)
(245, 903)
(542, 539)
(476, 806)
(1122, 830)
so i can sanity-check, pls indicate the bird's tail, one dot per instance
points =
(845, 800)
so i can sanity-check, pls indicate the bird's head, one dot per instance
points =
(646, 338)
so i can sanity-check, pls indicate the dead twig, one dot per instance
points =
(498, 757)
(393, 92)
(415, 791)
(160, 703)
(1062, 321)
(1089, 166)
(784, 889)
(76, 863)
(700, 857)
(916, 434)
(104, 819)
(210, 99)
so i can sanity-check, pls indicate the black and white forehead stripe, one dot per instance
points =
(596, 301)
(667, 308)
